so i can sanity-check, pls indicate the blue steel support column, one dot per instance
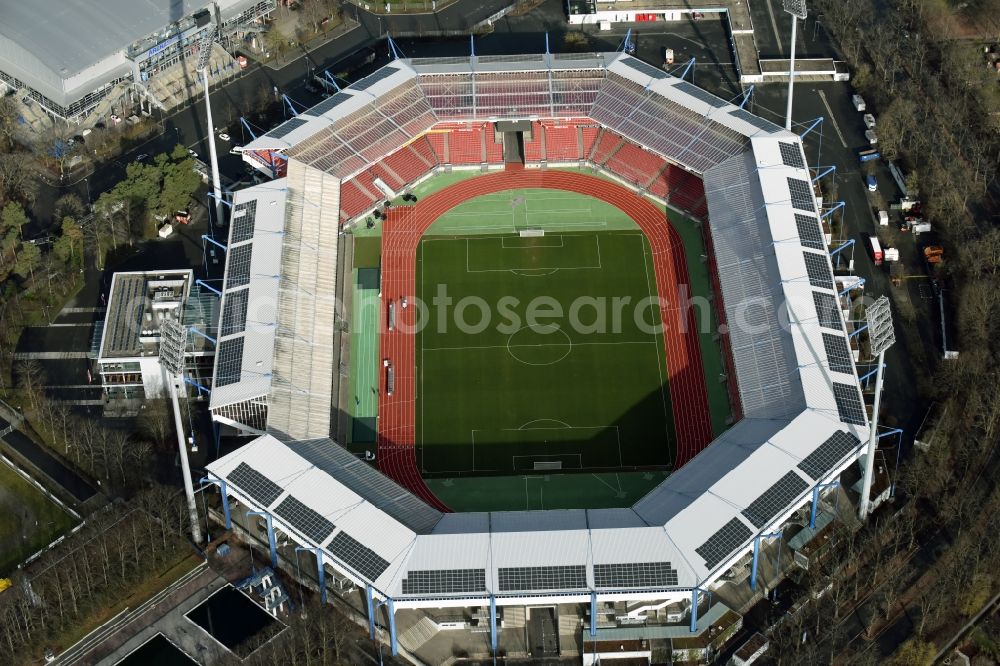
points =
(812, 511)
(270, 535)
(371, 611)
(753, 570)
(392, 628)
(320, 571)
(224, 491)
(493, 623)
(756, 556)
(812, 125)
(687, 68)
(243, 121)
(593, 613)
(201, 283)
(815, 502)
(225, 504)
(694, 610)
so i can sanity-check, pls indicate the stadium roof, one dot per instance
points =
(804, 413)
(250, 291)
(65, 49)
(365, 121)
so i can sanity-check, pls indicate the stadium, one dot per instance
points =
(564, 175)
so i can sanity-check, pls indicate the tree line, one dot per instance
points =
(120, 457)
(70, 585)
(936, 558)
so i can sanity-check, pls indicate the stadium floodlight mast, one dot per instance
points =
(797, 8)
(881, 336)
(204, 53)
(173, 340)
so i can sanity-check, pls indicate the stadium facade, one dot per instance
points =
(802, 416)
(68, 57)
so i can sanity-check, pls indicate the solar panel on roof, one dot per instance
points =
(828, 454)
(646, 68)
(329, 103)
(818, 270)
(229, 361)
(827, 310)
(356, 555)
(810, 234)
(791, 155)
(635, 574)
(801, 194)
(571, 577)
(849, 405)
(775, 499)
(837, 353)
(234, 312)
(286, 127)
(756, 121)
(238, 266)
(700, 94)
(309, 523)
(372, 79)
(243, 221)
(444, 581)
(721, 544)
(254, 484)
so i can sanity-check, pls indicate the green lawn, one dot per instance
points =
(30, 519)
(583, 391)
(545, 491)
(363, 405)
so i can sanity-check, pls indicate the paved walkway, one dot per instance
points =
(162, 613)
(42, 460)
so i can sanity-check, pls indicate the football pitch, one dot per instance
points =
(539, 353)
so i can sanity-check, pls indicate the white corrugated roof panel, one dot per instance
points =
(258, 331)
(535, 549)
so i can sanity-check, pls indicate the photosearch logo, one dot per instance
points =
(583, 315)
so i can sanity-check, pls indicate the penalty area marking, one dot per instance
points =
(469, 269)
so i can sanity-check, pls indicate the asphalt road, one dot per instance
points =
(43, 460)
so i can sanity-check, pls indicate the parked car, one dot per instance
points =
(872, 183)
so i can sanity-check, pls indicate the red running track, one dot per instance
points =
(401, 235)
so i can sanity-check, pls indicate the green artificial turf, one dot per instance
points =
(363, 405)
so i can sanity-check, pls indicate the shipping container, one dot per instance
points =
(868, 155)
(876, 250)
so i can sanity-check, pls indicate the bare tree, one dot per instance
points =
(156, 421)
(31, 378)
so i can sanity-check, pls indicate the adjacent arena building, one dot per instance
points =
(80, 61)
(417, 569)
